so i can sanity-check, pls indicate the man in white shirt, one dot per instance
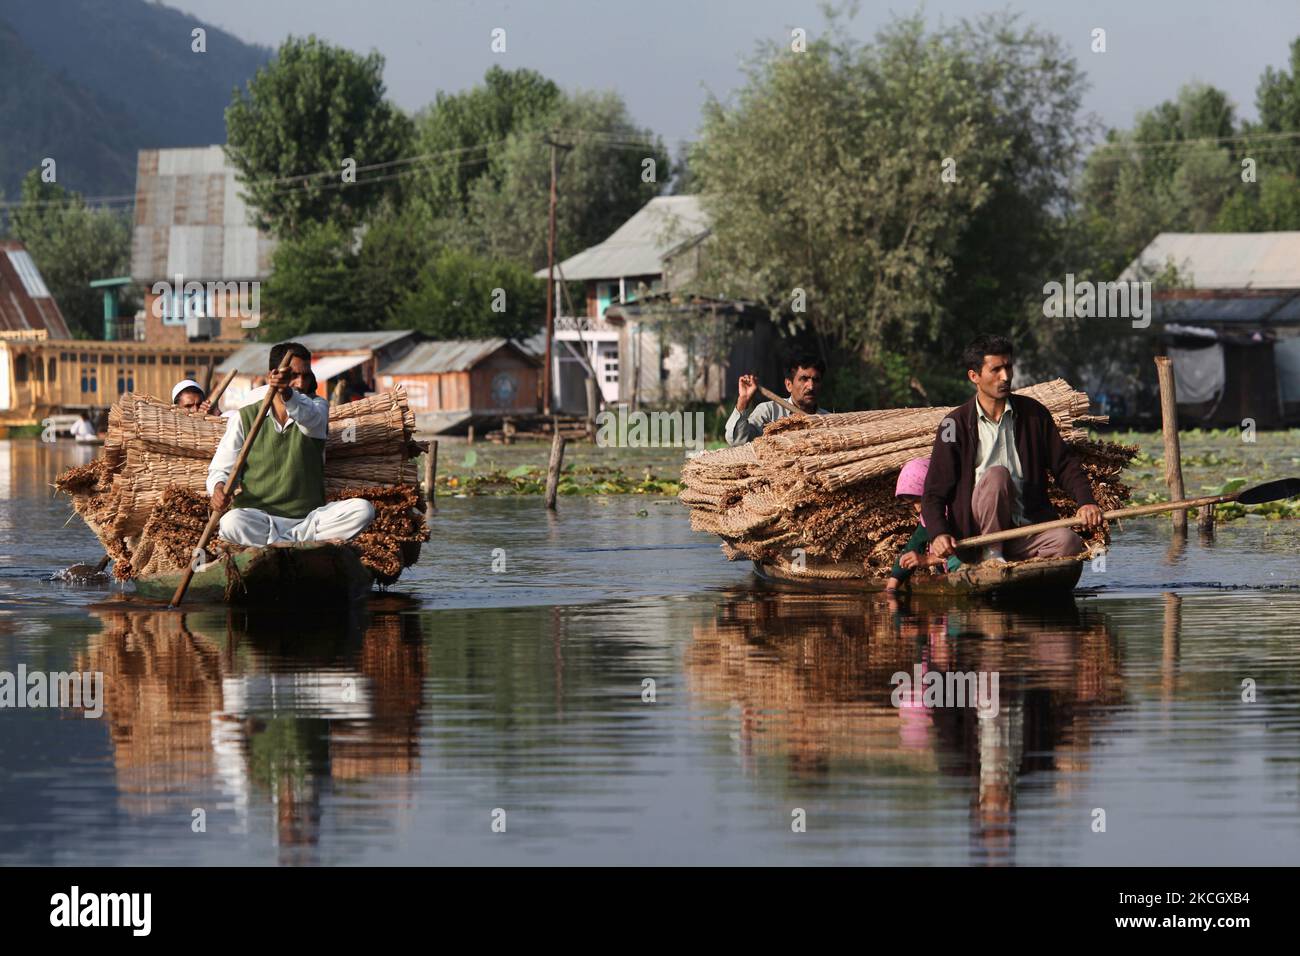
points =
(281, 497)
(803, 376)
(83, 430)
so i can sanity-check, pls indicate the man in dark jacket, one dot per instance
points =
(989, 465)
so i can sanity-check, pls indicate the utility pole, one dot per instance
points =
(550, 282)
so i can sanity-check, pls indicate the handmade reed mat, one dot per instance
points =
(146, 498)
(825, 483)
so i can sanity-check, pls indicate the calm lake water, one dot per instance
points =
(469, 695)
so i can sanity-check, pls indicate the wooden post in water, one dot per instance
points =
(430, 473)
(553, 468)
(1169, 424)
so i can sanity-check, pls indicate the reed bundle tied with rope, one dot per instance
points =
(146, 499)
(825, 483)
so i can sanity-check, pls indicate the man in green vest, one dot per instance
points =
(282, 493)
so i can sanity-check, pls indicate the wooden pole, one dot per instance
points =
(430, 472)
(550, 289)
(553, 468)
(232, 486)
(214, 400)
(785, 403)
(1169, 425)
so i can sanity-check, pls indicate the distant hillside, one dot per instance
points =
(90, 82)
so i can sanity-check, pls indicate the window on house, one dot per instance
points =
(53, 369)
(172, 305)
(20, 369)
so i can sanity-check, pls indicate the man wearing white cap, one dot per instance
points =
(189, 395)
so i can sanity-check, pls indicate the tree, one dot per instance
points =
(313, 285)
(1277, 98)
(850, 184)
(459, 132)
(304, 117)
(461, 295)
(72, 245)
(603, 178)
(393, 275)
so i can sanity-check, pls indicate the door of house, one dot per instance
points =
(606, 367)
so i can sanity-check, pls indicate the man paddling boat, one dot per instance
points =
(989, 466)
(282, 491)
(803, 377)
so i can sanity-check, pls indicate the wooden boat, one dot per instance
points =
(310, 574)
(1034, 577)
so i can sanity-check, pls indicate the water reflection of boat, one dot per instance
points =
(271, 712)
(810, 679)
(1036, 576)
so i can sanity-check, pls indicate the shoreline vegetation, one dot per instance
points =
(1214, 462)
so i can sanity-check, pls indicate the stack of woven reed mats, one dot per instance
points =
(825, 483)
(146, 498)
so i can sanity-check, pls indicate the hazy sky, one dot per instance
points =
(665, 56)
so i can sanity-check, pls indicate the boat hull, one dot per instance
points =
(312, 574)
(1040, 576)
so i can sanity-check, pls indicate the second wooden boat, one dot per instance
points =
(1036, 576)
(312, 574)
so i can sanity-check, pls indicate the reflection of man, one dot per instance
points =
(803, 376)
(989, 466)
(282, 492)
(189, 395)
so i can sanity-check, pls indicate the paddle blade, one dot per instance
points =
(1270, 491)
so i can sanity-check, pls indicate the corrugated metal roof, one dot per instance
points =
(1270, 309)
(1225, 260)
(456, 355)
(190, 221)
(636, 248)
(254, 356)
(25, 302)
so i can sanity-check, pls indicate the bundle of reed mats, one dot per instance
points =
(825, 483)
(147, 496)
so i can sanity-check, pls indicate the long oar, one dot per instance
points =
(236, 474)
(783, 402)
(1269, 491)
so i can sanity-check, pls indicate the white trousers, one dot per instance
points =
(336, 520)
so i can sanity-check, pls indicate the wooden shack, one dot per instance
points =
(454, 384)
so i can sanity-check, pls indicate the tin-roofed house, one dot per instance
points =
(356, 356)
(194, 253)
(1232, 327)
(630, 263)
(454, 384)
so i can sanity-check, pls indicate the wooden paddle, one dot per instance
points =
(1269, 491)
(233, 486)
(783, 402)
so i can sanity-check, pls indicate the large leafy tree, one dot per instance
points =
(603, 177)
(72, 244)
(303, 117)
(459, 133)
(859, 181)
